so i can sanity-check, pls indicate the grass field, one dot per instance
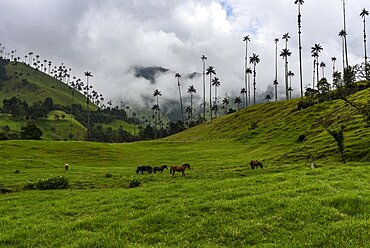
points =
(220, 203)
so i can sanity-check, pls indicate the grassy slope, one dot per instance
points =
(220, 203)
(279, 126)
(42, 86)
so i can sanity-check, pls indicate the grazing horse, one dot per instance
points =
(255, 164)
(179, 168)
(66, 167)
(143, 168)
(160, 168)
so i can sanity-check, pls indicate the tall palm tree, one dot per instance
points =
(249, 72)
(299, 3)
(238, 101)
(178, 76)
(204, 58)
(363, 14)
(191, 91)
(333, 59)
(317, 48)
(216, 83)
(88, 74)
(323, 65)
(345, 30)
(254, 60)
(290, 75)
(276, 67)
(157, 94)
(285, 53)
(343, 35)
(210, 72)
(246, 39)
(243, 91)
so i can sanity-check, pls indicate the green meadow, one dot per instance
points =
(221, 202)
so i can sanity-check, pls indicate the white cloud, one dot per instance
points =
(110, 37)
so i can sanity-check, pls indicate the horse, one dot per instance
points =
(255, 164)
(66, 167)
(143, 168)
(179, 168)
(160, 168)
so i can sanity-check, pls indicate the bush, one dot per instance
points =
(301, 138)
(108, 174)
(4, 190)
(51, 183)
(134, 183)
(16, 171)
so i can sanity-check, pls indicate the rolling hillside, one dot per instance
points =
(274, 128)
(31, 85)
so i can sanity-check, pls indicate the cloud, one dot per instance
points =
(111, 37)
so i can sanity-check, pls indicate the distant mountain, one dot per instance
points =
(149, 73)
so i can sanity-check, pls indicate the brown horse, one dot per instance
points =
(160, 168)
(179, 168)
(255, 164)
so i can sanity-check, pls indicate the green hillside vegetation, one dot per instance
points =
(220, 203)
(33, 86)
(37, 87)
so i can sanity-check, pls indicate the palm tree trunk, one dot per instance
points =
(210, 94)
(204, 90)
(343, 56)
(249, 89)
(182, 110)
(366, 72)
(276, 70)
(245, 68)
(300, 48)
(314, 73)
(254, 83)
(286, 79)
(345, 30)
(317, 71)
(191, 106)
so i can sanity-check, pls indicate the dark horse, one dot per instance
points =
(143, 168)
(179, 168)
(160, 168)
(255, 164)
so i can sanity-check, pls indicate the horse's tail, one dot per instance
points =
(171, 170)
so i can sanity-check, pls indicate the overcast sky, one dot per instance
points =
(111, 37)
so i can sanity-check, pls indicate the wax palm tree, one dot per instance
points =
(204, 58)
(191, 91)
(246, 39)
(243, 91)
(238, 101)
(345, 30)
(210, 72)
(290, 75)
(157, 94)
(254, 60)
(88, 74)
(226, 102)
(363, 14)
(285, 53)
(249, 72)
(317, 48)
(268, 98)
(216, 83)
(322, 66)
(178, 76)
(343, 35)
(333, 59)
(276, 67)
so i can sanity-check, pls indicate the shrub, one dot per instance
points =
(134, 183)
(4, 190)
(51, 183)
(16, 171)
(301, 138)
(253, 126)
(108, 174)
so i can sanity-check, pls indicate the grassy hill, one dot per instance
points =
(274, 128)
(31, 86)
